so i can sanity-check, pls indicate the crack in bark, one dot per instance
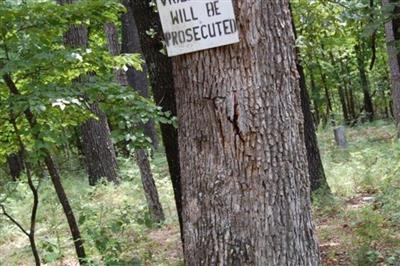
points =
(235, 119)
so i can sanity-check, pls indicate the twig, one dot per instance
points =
(5, 213)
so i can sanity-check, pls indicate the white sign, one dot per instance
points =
(193, 25)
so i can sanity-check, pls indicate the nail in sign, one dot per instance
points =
(194, 25)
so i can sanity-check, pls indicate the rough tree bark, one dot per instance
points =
(142, 159)
(97, 146)
(244, 169)
(161, 80)
(392, 31)
(138, 80)
(149, 186)
(315, 166)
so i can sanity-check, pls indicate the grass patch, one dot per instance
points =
(359, 224)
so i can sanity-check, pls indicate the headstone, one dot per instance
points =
(194, 25)
(340, 137)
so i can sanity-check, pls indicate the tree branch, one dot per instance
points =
(5, 213)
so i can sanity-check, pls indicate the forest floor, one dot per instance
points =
(359, 224)
(336, 234)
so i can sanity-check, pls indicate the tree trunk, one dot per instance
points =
(341, 90)
(160, 72)
(315, 92)
(342, 98)
(350, 97)
(246, 198)
(328, 100)
(21, 156)
(98, 149)
(368, 106)
(62, 196)
(149, 187)
(392, 31)
(138, 80)
(15, 164)
(142, 158)
(56, 180)
(347, 93)
(315, 166)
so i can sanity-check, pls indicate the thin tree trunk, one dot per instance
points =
(349, 92)
(138, 80)
(56, 180)
(314, 91)
(315, 166)
(97, 146)
(352, 102)
(368, 106)
(392, 31)
(244, 169)
(328, 100)
(149, 186)
(342, 96)
(142, 158)
(346, 94)
(160, 72)
(25, 165)
(325, 82)
(62, 196)
(35, 206)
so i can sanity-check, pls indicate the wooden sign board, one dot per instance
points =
(194, 25)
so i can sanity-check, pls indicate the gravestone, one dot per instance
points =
(340, 137)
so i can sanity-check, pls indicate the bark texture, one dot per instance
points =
(161, 81)
(315, 166)
(142, 158)
(149, 186)
(97, 146)
(392, 31)
(138, 80)
(244, 171)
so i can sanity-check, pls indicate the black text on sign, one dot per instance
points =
(193, 25)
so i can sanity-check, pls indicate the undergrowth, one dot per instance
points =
(358, 224)
(114, 221)
(363, 214)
